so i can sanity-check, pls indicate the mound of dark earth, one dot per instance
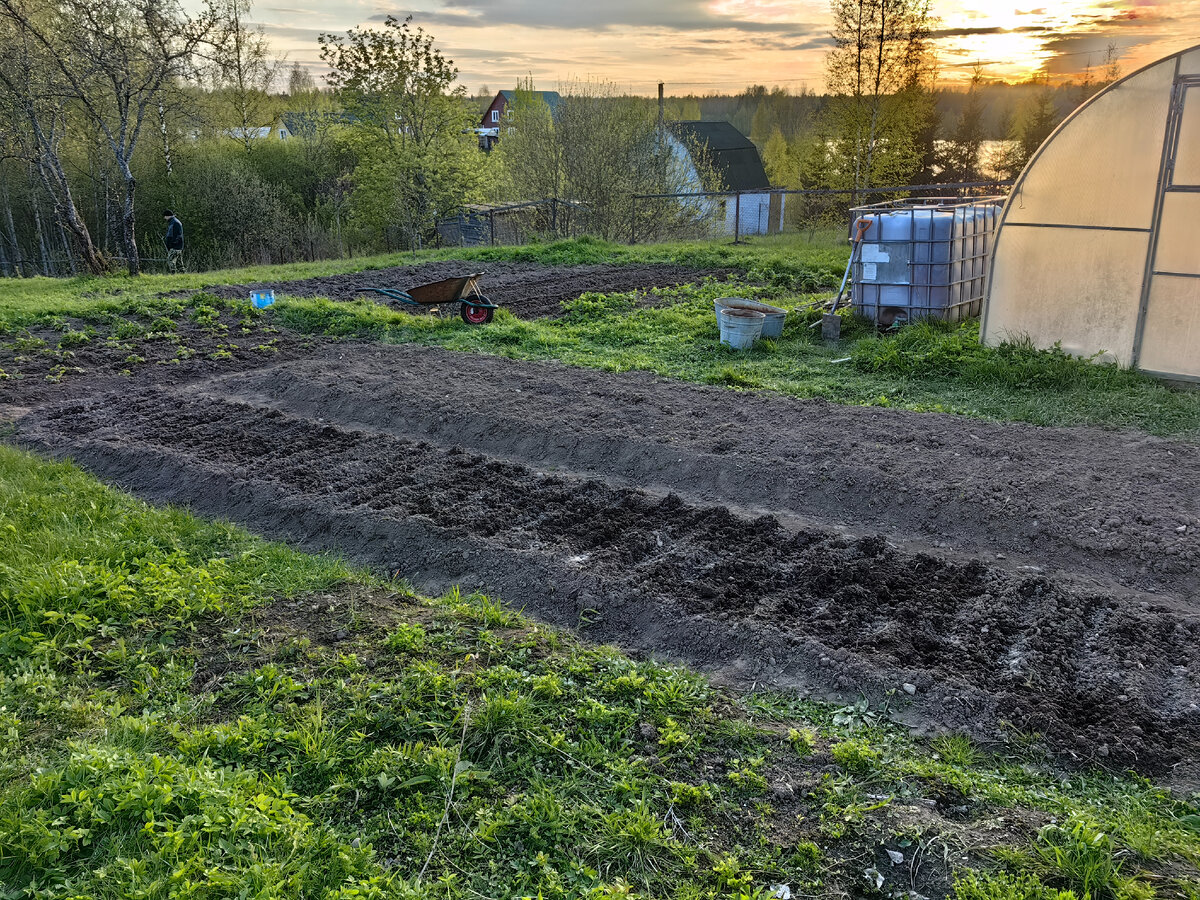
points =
(635, 538)
(528, 290)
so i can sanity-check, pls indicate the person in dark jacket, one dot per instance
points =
(174, 241)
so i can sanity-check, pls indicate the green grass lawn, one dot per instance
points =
(189, 712)
(924, 367)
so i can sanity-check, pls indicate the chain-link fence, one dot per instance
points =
(514, 223)
(737, 215)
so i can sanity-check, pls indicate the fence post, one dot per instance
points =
(737, 217)
(492, 225)
(633, 221)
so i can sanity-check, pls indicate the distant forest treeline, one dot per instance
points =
(758, 110)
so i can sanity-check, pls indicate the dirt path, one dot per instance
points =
(528, 290)
(549, 487)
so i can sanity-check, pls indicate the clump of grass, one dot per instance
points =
(938, 349)
(1081, 858)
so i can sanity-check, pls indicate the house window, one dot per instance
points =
(512, 130)
(495, 115)
(508, 114)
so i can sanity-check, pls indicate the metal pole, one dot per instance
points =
(737, 218)
(633, 221)
(492, 225)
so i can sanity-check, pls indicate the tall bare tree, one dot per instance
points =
(600, 149)
(247, 71)
(961, 154)
(113, 61)
(879, 73)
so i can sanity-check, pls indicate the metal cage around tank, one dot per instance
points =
(923, 258)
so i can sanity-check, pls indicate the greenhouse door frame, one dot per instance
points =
(1167, 186)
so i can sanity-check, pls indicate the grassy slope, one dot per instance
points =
(394, 746)
(923, 368)
(25, 300)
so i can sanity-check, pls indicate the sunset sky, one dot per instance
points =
(706, 46)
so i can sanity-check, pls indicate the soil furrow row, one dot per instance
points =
(973, 646)
(1103, 504)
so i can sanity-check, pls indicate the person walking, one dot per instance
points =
(174, 241)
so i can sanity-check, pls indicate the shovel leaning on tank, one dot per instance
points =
(831, 322)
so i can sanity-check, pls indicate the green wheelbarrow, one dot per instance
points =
(473, 306)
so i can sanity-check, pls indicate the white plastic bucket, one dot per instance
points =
(740, 328)
(772, 324)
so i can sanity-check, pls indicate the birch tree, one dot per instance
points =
(247, 72)
(878, 75)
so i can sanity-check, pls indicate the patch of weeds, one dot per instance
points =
(73, 338)
(856, 715)
(731, 376)
(27, 343)
(126, 330)
(956, 749)
(688, 796)
(972, 885)
(855, 756)
(803, 740)
(672, 737)
(746, 775)
(406, 638)
(58, 373)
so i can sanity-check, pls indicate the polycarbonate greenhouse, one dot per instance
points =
(1099, 243)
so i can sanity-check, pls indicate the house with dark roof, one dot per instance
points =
(498, 114)
(731, 166)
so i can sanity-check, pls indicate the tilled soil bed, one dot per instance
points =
(528, 290)
(736, 532)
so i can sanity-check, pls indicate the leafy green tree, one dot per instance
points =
(300, 81)
(234, 215)
(781, 160)
(410, 126)
(530, 152)
(247, 72)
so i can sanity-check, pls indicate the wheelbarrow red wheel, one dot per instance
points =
(476, 315)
